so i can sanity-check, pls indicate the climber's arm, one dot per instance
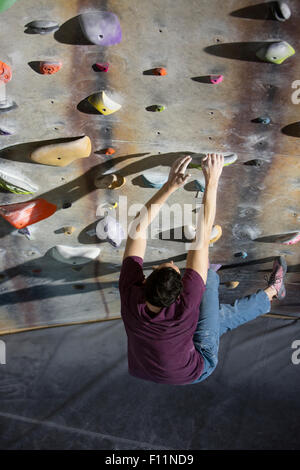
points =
(137, 236)
(197, 258)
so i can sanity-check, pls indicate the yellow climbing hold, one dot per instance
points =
(103, 103)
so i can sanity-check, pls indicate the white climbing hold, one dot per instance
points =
(15, 183)
(75, 255)
(109, 229)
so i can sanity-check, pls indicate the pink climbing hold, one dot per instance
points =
(293, 240)
(215, 79)
(102, 67)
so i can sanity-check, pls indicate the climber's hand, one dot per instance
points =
(177, 176)
(212, 166)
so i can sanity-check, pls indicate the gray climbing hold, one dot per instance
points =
(109, 229)
(281, 11)
(42, 26)
(101, 28)
(155, 178)
(5, 132)
(7, 105)
(263, 120)
(275, 52)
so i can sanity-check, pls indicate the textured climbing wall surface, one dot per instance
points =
(192, 40)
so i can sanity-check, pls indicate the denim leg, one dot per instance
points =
(206, 336)
(243, 310)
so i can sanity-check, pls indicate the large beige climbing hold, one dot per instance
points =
(62, 154)
(103, 103)
(75, 254)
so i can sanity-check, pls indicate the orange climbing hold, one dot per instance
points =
(109, 151)
(22, 214)
(160, 71)
(49, 68)
(5, 72)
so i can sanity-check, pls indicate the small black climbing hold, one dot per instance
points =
(256, 162)
(66, 205)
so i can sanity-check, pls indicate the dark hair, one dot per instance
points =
(163, 286)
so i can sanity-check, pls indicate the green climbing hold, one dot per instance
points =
(5, 4)
(275, 52)
(229, 158)
(160, 108)
(16, 184)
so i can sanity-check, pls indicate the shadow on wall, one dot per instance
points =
(292, 130)
(261, 11)
(70, 32)
(237, 50)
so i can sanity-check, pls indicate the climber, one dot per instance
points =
(171, 337)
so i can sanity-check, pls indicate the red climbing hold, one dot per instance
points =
(160, 71)
(102, 67)
(22, 214)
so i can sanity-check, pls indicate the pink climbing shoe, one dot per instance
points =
(277, 276)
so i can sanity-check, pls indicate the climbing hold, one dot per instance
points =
(215, 79)
(62, 154)
(109, 229)
(241, 254)
(160, 108)
(102, 67)
(15, 183)
(262, 120)
(42, 26)
(109, 151)
(69, 230)
(216, 233)
(256, 162)
(25, 231)
(155, 178)
(293, 239)
(281, 11)
(275, 52)
(103, 103)
(75, 255)
(5, 4)
(49, 68)
(200, 182)
(229, 158)
(66, 205)
(7, 105)
(27, 213)
(110, 181)
(160, 71)
(5, 132)
(5, 72)
(101, 28)
(231, 284)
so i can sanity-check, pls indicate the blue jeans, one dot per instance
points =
(215, 320)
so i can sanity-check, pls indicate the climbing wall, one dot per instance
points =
(191, 40)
